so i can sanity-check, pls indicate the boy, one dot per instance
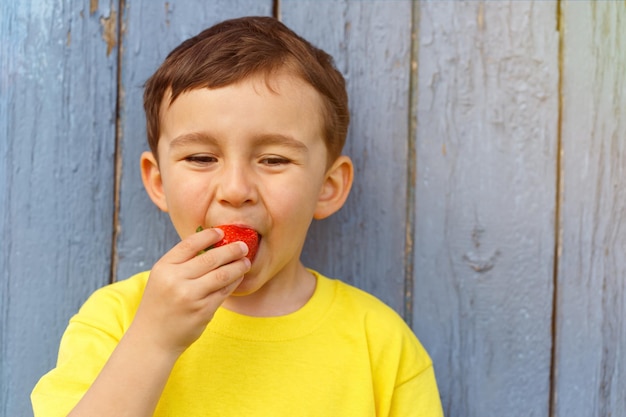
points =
(246, 123)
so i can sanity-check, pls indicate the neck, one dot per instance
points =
(281, 295)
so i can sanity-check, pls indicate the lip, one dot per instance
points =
(241, 225)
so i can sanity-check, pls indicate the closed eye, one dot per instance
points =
(201, 159)
(275, 161)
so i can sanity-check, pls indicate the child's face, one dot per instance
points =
(244, 154)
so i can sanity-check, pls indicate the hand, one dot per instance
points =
(185, 289)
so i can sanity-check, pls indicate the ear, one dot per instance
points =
(335, 189)
(152, 180)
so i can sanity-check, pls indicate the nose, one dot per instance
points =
(235, 185)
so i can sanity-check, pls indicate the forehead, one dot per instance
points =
(275, 81)
(281, 82)
(275, 103)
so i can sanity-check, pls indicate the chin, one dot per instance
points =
(247, 287)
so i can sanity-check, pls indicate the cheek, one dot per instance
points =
(293, 205)
(186, 205)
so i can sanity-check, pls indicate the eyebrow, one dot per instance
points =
(192, 138)
(280, 140)
(268, 139)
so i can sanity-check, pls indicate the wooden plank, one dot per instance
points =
(57, 118)
(591, 329)
(486, 117)
(364, 243)
(152, 29)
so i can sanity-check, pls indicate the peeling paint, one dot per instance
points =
(109, 34)
(93, 6)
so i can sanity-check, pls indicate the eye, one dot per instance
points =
(275, 160)
(201, 159)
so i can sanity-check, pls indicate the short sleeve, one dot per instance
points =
(87, 343)
(404, 378)
(417, 397)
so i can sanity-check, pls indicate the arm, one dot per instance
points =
(181, 297)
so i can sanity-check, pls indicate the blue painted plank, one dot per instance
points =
(364, 243)
(486, 141)
(590, 364)
(57, 122)
(152, 29)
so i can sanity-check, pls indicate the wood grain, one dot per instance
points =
(590, 370)
(57, 123)
(487, 105)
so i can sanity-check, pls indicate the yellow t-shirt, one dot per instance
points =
(344, 353)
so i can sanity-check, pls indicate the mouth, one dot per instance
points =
(239, 233)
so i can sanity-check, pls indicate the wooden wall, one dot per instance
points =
(489, 207)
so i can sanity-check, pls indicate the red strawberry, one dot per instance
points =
(246, 235)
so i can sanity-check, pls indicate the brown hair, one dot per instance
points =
(239, 48)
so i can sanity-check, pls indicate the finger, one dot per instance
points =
(189, 247)
(215, 299)
(221, 279)
(215, 258)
